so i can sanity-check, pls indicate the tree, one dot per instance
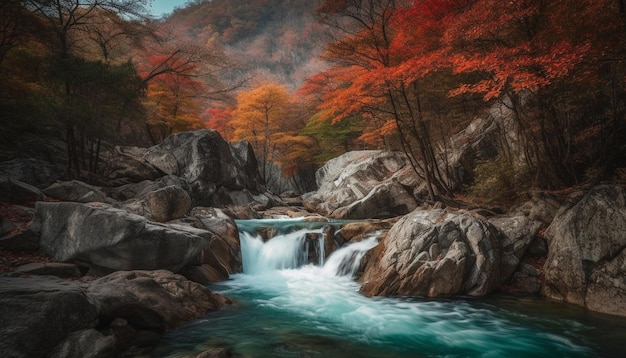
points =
(258, 118)
(366, 80)
(16, 26)
(182, 79)
(65, 22)
(552, 58)
(331, 139)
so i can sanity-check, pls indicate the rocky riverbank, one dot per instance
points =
(101, 269)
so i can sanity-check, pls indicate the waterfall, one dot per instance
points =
(296, 302)
(346, 260)
(301, 248)
(284, 251)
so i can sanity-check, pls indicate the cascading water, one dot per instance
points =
(290, 307)
(286, 251)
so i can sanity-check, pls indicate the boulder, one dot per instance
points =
(165, 204)
(355, 231)
(87, 343)
(208, 163)
(226, 248)
(216, 173)
(518, 232)
(217, 353)
(15, 191)
(32, 171)
(133, 190)
(223, 257)
(98, 235)
(38, 312)
(542, 207)
(5, 226)
(587, 251)
(246, 160)
(61, 270)
(152, 300)
(364, 184)
(435, 253)
(125, 165)
(75, 191)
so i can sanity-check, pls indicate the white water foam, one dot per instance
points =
(326, 299)
(281, 252)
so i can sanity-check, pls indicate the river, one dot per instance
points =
(289, 308)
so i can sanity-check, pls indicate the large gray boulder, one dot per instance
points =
(223, 257)
(215, 171)
(435, 253)
(133, 190)
(100, 236)
(75, 190)
(586, 263)
(37, 313)
(86, 343)
(364, 184)
(152, 300)
(124, 165)
(209, 163)
(165, 204)
(517, 233)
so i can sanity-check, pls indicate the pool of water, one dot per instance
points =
(284, 309)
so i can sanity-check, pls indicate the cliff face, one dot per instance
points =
(586, 262)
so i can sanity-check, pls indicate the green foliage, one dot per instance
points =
(498, 182)
(332, 139)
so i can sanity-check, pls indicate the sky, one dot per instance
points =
(159, 8)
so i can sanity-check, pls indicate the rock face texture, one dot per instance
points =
(435, 253)
(586, 263)
(223, 257)
(364, 184)
(517, 233)
(43, 316)
(99, 235)
(153, 300)
(39, 312)
(217, 173)
(74, 191)
(165, 204)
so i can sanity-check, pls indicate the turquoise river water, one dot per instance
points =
(286, 308)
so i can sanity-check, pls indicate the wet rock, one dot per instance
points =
(152, 300)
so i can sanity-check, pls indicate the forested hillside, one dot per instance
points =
(305, 81)
(272, 40)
